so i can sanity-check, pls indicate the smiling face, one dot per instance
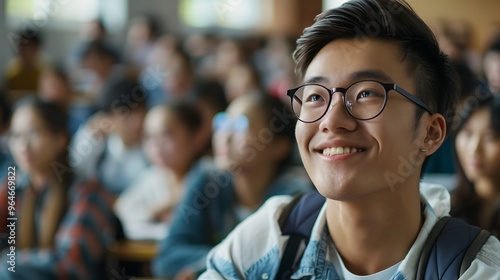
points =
(478, 148)
(347, 158)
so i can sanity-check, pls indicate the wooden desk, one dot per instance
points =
(133, 251)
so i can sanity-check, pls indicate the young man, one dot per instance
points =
(376, 90)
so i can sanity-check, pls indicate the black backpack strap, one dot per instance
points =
(297, 221)
(428, 245)
(444, 251)
(474, 248)
(286, 211)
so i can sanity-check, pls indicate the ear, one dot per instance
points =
(435, 133)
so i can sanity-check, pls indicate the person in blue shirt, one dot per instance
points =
(253, 143)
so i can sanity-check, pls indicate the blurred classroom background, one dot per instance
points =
(134, 93)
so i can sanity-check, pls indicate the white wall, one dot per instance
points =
(165, 10)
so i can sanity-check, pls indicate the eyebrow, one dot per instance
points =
(370, 74)
(378, 75)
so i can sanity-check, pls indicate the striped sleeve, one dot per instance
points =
(81, 241)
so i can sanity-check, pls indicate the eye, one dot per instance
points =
(369, 93)
(314, 97)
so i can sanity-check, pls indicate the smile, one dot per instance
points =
(340, 151)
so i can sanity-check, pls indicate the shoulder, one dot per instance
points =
(237, 256)
(487, 262)
(209, 181)
(437, 197)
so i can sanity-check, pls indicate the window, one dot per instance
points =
(46, 12)
(231, 14)
(330, 4)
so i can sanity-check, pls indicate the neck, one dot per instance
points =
(382, 225)
(130, 144)
(39, 179)
(252, 185)
(175, 176)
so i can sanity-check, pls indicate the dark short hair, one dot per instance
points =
(211, 93)
(5, 109)
(186, 112)
(30, 36)
(394, 20)
(494, 47)
(99, 48)
(120, 93)
(51, 113)
(271, 108)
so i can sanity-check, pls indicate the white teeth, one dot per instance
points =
(340, 150)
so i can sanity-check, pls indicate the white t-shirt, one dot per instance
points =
(135, 207)
(345, 274)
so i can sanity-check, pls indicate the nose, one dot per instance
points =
(337, 118)
(476, 146)
(222, 136)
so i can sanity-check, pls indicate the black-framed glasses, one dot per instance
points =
(363, 100)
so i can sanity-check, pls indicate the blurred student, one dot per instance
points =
(108, 147)
(94, 30)
(99, 62)
(55, 86)
(210, 97)
(24, 70)
(172, 78)
(241, 79)
(141, 35)
(491, 65)
(5, 155)
(477, 145)
(253, 146)
(63, 226)
(228, 54)
(173, 143)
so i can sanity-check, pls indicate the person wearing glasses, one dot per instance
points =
(376, 97)
(253, 142)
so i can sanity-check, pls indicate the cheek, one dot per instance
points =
(43, 152)
(461, 144)
(303, 133)
(240, 141)
(492, 157)
(219, 142)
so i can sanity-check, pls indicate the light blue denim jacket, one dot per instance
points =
(206, 215)
(253, 250)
